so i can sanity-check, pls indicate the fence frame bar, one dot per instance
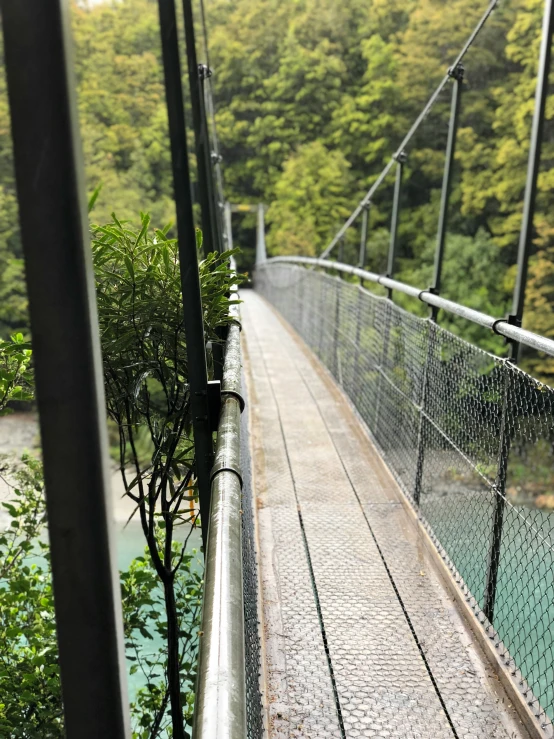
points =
(68, 366)
(493, 563)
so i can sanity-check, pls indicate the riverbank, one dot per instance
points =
(19, 433)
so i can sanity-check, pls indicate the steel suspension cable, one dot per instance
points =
(406, 140)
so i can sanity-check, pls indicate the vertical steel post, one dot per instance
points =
(215, 205)
(188, 259)
(381, 367)
(401, 159)
(357, 341)
(202, 149)
(210, 112)
(261, 254)
(216, 156)
(526, 234)
(336, 331)
(431, 327)
(458, 76)
(363, 236)
(68, 366)
(493, 563)
(524, 251)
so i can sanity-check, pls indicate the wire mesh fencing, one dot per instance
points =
(470, 439)
(252, 649)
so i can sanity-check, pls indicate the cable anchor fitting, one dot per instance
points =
(457, 72)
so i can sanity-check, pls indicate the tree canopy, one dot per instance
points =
(312, 98)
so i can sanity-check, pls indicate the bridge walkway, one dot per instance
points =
(361, 637)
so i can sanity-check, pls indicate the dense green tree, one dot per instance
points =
(310, 202)
(310, 90)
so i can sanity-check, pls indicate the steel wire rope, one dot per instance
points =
(406, 140)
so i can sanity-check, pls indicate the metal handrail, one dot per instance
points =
(500, 326)
(220, 711)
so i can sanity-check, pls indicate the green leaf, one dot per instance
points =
(94, 197)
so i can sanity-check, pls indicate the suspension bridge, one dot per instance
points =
(369, 571)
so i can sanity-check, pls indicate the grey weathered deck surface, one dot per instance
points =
(361, 638)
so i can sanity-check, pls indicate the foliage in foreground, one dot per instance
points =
(30, 690)
(309, 109)
(148, 399)
(146, 365)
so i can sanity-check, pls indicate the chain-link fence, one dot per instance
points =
(470, 439)
(250, 590)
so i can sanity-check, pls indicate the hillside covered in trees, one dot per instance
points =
(312, 98)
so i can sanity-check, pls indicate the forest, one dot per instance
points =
(312, 97)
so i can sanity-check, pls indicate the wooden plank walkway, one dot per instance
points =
(361, 638)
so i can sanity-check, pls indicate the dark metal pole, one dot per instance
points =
(458, 76)
(363, 237)
(188, 259)
(215, 206)
(395, 215)
(203, 163)
(431, 327)
(68, 366)
(526, 234)
(357, 382)
(499, 500)
(336, 332)
(381, 367)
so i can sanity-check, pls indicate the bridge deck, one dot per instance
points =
(360, 635)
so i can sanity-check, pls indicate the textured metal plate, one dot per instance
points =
(386, 654)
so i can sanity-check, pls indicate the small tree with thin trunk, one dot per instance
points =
(148, 399)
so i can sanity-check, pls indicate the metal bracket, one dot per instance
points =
(214, 403)
(401, 157)
(509, 319)
(234, 394)
(457, 72)
(204, 72)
